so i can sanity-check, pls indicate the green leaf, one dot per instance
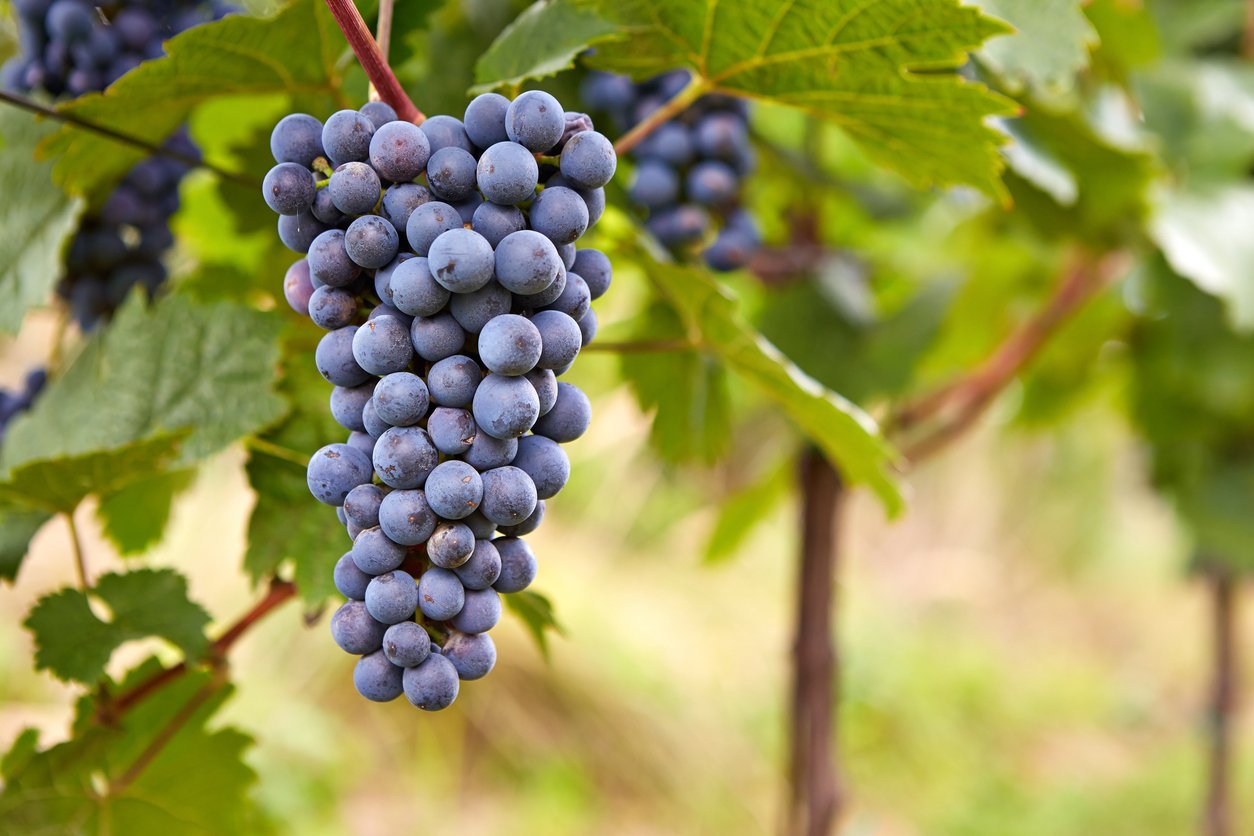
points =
(846, 434)
(75, 644)
(17, 527)
(743, 511)
(287, 523)
(134, 517)
(542, 41)
(156, 769)
(1203, 236)
(35, 215)
(536, 612)
(1049, 48)
(60, 482)
(175, 367)
(686, 392)
(884, 70)
(294, 52)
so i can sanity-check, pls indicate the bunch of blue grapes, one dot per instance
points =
(72, 47)
(688, 172)
(16, 401)
(441, 260)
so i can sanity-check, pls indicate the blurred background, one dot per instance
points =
(1028, 649)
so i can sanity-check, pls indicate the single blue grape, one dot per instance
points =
(401, 399)
(346, 138)
(594, 266)
(480, 526)
(363, 442)
(332, 307)
(349, 580)
(550, 294)
(297, 232)
(379, 113)
(567, 252)
(560, 339)
(527, 262)
(454, 490)
(494, 222)
(297, 138)
(371, 242)
(518, 563)
(545, 462)
(289, 189)
(509, 495)
(374, 552)
(329, 262)
(483, 567)
(436, 337)
(382, 346)
(461, 260)
(406, 518)
(559, 214)
(510, 345)
(569, 417)
(466, 208)
(487, 452)
(587, 328)
(385, 309)
(526, 526)
(354, 188)
(404, 457)
(721, 136)
(440, 594)
(535, 120)
(375, 426)
(70, 21)
(377, 679)
(347, 404)
(670, 143)
(445, 132)
(545, 384)
(354, 630)
(451, 174)
(588, 160)
(575, 299)
(475, 310)
(392, 597)
(484, 120)
(334, 470)
(361, 506)
(431, 686)
(712, 183)
(453, 381)
(413, 289)
(400, 201)
(451, 545)
(655, 184)
(297, 287)
(428, 222)
(451, 430)
(406, 644)
(480, 611)
(679, 225)
(505, 407)
(324, 208)
(507, 173)
(472, 654)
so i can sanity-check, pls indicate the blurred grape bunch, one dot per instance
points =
(688, 172)
(69, 48)
(14, 402)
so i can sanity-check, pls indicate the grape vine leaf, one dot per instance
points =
(75, 644)
(294, 52)
(686, 392)
(884, 70)
(536, 612)
(287, 523)
(542, 41)
(17, 527)
(36, 217)
(846, 434)
(746, 509)
(1048, 50)
(156, 769)
(173, 367)
(134, 517)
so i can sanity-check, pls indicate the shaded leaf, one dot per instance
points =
(75, 644)
(542, 41)
(1049, 48)
(536, 612)
(17, 528)
(742, 512)
(134, 517)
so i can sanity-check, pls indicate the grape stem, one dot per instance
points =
(643, 347)
(76, 545)
(695, 89)
(276, 451)
(958, 404)
(151, 149)
(373, 61)
(280, 591)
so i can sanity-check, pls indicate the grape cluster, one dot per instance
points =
(688, 171)
(15, 402)
(441, 260)
(72, 47)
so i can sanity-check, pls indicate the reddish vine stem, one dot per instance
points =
(1222, 588)
(373, 61)
(279, 593)
(963, 401)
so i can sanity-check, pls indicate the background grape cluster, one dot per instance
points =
(688, 172)
(72, 47)
(442, 262)
(13, 402)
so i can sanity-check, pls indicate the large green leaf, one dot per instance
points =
(75, 644)
(883, 70)
(295, 52)
(542, 41)
(176, 367)
(134, 517)
(1050, 45)
(846, 434)
(157, 769)
(35, 215)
